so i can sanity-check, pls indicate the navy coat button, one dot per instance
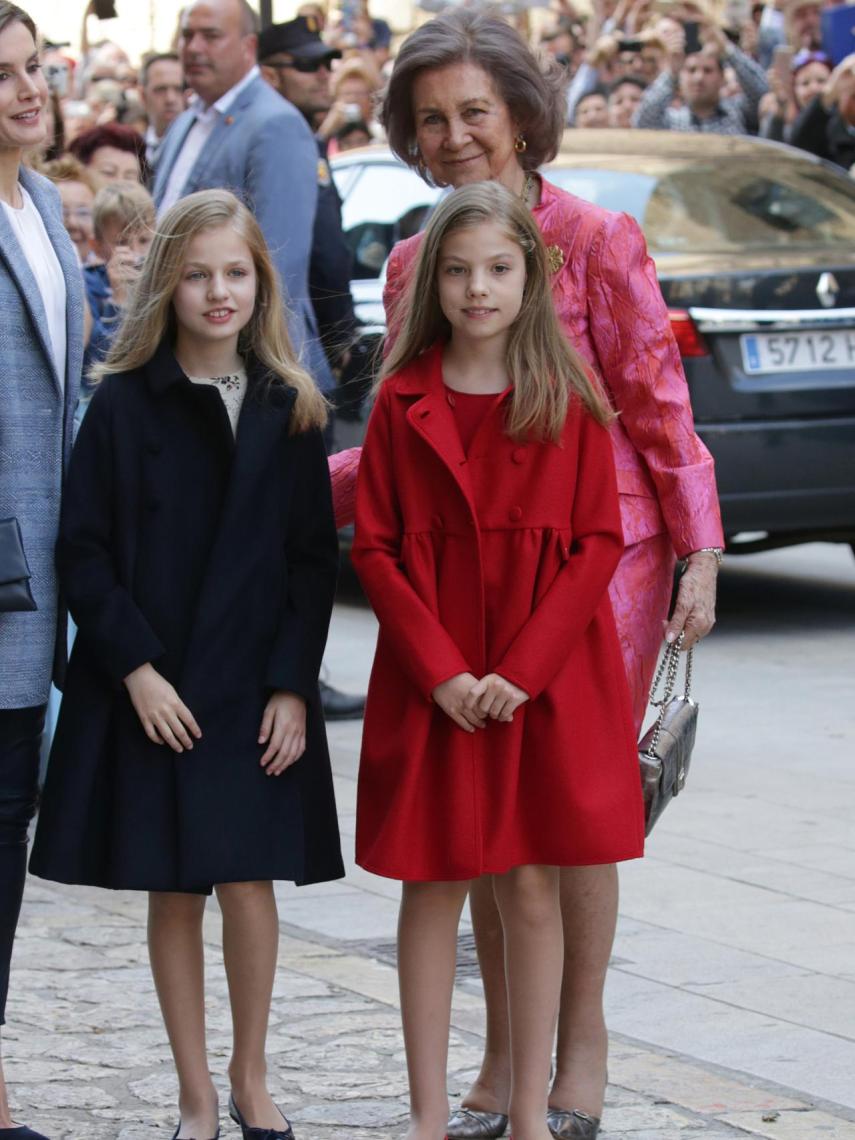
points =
(153, 447)
(515, 514)
(153, 504)
(518, 455)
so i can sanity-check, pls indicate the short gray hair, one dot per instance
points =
(532, 87)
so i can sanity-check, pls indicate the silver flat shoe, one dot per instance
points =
(572, 1125)
(467, 1123)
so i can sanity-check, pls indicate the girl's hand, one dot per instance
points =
(496, 698)
(451, 697)
(283, 730)
(694, 610)
(164, 716)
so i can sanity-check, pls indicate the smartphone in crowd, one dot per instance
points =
(693, 36)
(57, 78)
(782, 62)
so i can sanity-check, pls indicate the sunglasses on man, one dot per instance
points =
(304, 65)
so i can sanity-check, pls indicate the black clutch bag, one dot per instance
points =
(15, 593)
(665, 750)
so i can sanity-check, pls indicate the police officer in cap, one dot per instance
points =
(297, 63)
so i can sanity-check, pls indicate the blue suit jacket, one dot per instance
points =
(264, 152)
(36, 409)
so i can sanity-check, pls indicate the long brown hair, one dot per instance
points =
(11, 14)
(545, 370)
(149, 316)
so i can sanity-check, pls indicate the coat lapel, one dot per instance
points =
(170, 148)
(67, 257)
(432, 418)
(263, 422)
(226, 126)
(21, 273)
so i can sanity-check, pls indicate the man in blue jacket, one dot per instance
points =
(241, 136)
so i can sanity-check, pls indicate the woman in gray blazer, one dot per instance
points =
(41, 352)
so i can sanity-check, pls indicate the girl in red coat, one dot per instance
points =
(498, 733)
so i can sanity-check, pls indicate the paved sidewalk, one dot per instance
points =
(89, 1058)
(731, 993)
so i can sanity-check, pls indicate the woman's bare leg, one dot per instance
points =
(5, 1116)
(177, 965)
(589, 900)
(589, 904)
(528, 902)
(492, 1087)
(427, 955)
(250, 948)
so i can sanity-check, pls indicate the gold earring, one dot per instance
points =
(520, 145)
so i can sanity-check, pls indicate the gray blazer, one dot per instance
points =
(264, 152)
(36, 412)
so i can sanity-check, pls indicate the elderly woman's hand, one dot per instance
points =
(694, 611)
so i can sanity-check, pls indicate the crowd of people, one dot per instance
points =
(176, 310)
(646, 64)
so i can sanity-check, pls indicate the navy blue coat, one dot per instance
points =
(215, 559)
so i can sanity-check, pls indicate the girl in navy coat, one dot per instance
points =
(198, 553)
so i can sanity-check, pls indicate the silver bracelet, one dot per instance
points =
(715, 550)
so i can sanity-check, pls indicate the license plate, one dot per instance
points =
(798, 351)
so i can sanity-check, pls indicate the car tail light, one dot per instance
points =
(689, 340)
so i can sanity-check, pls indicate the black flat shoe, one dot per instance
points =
(21, 1132)
(175, 1137)
(250, 1133)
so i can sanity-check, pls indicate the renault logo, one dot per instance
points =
(827, 290)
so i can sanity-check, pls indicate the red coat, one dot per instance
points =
(495, 562)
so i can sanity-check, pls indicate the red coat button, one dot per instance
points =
(515, 514)
(436, 522)
(518, 455)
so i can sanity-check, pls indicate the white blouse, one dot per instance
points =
(44, 264)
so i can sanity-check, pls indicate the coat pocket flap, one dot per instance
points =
(13, 560)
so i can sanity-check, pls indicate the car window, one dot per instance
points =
(727, 205)
(384, 204)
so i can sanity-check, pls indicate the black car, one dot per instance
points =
(754, 244)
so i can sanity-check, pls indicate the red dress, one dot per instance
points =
(495, 561)
(609, 303)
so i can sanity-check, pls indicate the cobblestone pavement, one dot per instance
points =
(87, 1056)
(734, 969)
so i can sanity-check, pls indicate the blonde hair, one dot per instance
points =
(66, 168)
(149, 316)
(355, 69)
(127, 203)
(544, 368)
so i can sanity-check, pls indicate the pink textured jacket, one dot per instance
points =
(608, 300)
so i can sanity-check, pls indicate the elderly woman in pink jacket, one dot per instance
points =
(468, 102)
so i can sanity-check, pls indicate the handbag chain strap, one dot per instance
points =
(669, 666)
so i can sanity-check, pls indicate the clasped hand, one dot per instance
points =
(470, 702)
(167, 720)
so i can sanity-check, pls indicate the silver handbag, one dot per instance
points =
(665, 750)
